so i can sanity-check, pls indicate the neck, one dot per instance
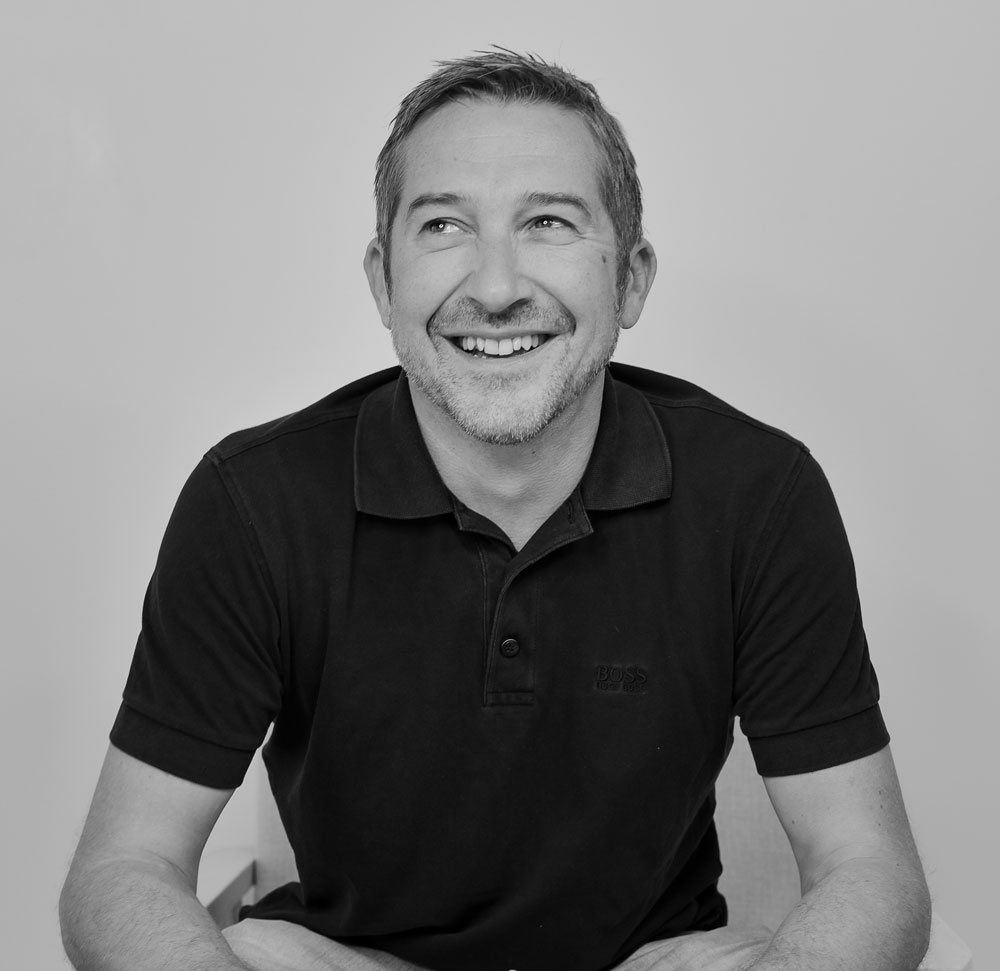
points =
(516, 486)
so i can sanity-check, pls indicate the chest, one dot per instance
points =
(485, 719)
(623, 630)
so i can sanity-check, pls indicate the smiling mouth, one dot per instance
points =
(503, 347)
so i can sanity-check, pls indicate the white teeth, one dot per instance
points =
(501, 348)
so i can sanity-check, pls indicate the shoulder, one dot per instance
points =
(717, 452)
(677, 402)
(331, 418)
(301, 463)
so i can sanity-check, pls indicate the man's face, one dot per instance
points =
(503, 307)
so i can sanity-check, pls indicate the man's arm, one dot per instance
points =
(129, 900)
(865, 903)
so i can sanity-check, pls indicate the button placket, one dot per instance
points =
(510, 678)
(510, 674)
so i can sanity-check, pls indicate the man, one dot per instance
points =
(502, 609)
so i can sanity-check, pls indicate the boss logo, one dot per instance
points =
(620, 677)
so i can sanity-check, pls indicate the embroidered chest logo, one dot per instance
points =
(628, 678)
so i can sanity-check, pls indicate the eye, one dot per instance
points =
(438, 227)
(549, 222)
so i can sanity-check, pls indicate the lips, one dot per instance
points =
(499, 346)
(515, 332)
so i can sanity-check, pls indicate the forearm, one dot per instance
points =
(139, 914)
(866, 914)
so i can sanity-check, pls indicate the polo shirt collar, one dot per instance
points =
(630, 464)
(395, 477)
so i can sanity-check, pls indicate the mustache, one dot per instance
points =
(522, 314)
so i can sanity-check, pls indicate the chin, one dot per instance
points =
(495, 422)
(503, 409)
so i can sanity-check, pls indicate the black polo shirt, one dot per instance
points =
(487, 758)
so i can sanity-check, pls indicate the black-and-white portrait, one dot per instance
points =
(501, 614)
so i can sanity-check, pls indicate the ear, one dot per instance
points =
(642, 271)
(375, 271)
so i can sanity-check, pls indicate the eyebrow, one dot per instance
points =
(558, 199)
(431, 199)
(434, 199)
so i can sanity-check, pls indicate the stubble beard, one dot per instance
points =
(502, 409)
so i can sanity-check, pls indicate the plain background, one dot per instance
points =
(184, 204)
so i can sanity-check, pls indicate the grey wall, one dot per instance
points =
(184, 204)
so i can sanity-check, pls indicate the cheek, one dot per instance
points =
(570, 278)
(423, 284)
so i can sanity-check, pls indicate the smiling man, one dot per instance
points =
(505, 292)
(523, 252)
(502, 607)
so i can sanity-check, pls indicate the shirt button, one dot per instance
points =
(510, 648)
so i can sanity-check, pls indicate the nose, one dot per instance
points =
(496, 281)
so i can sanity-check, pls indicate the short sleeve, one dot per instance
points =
(205, 681)
(805, 690)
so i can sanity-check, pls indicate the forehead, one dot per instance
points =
(476, 148)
